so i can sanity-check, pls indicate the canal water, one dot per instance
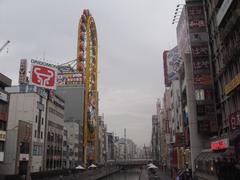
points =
(132, 174)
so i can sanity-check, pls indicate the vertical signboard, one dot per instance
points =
(182, 34)
(43, 74)
(23, 72)
(171, 62)
(166, 80)
(198, 41)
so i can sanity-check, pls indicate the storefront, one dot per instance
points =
(219, 162)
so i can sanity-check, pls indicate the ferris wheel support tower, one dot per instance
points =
(87, 65)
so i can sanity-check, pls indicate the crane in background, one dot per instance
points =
(6, 43)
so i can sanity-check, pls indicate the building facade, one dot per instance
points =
(73, 96)
(27, 116)
(4, 102)
(73, 144)
(53, 154)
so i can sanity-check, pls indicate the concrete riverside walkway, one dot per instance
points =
(160, 175)
(87, 175)
(143, 175)
(164, 175)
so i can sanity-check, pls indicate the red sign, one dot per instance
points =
(201, 64)
(194, 11)
(220, 144)
(43, 74)
(200, 50)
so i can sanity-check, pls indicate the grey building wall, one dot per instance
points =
(74, 102)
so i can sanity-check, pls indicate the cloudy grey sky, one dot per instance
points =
(132, 35)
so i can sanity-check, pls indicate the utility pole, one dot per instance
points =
(4, 45)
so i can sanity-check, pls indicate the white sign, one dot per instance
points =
(23, 71)
(3, 97)
(223, 10)
(1, 156)
(43, 74)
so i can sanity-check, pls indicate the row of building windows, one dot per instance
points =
(24, 147)
(3, 125)
(53, 164)
(36, 119)
(2, 146)
(60, 115)
(54, 137)
(3, 107)
(37, 150)
(35, 134)
(54, 150)
(231, 105)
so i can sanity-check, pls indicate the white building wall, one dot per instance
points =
(23, 106)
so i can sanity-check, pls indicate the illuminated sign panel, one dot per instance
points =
(220, 144)
(234, 120)
(43, 74)
(3, 97)
(2, 135)
(232, 84)
(69, 79)
(23, 72)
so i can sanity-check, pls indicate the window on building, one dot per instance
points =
(42, 121)
(35, 150)
(1, 146)
(36, 118)
(2, 125)
(24, 148)
(41, 134)
(49, 136)
(35, 133)
(199, 94)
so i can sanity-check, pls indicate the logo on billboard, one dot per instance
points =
(43, 74)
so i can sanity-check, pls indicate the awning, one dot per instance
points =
(209, 156)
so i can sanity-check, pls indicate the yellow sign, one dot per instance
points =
(2, 135)
(232, 84)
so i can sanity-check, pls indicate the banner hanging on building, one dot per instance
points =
(23, 72)
(43, 74)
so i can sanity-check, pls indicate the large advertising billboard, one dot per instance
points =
(43, 74)
(182, 34)
(69, 78)
(171, 61)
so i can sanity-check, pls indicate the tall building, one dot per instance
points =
(110, 146)
(73, 96)
(155, 138)
(54, 133)
(25, 130)
(196, 88)
(73, 144)
(101, 140)
(4, 103)
(224, 43)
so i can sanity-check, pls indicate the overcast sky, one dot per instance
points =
(132, 36)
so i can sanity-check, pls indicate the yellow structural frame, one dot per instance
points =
(89, 70)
